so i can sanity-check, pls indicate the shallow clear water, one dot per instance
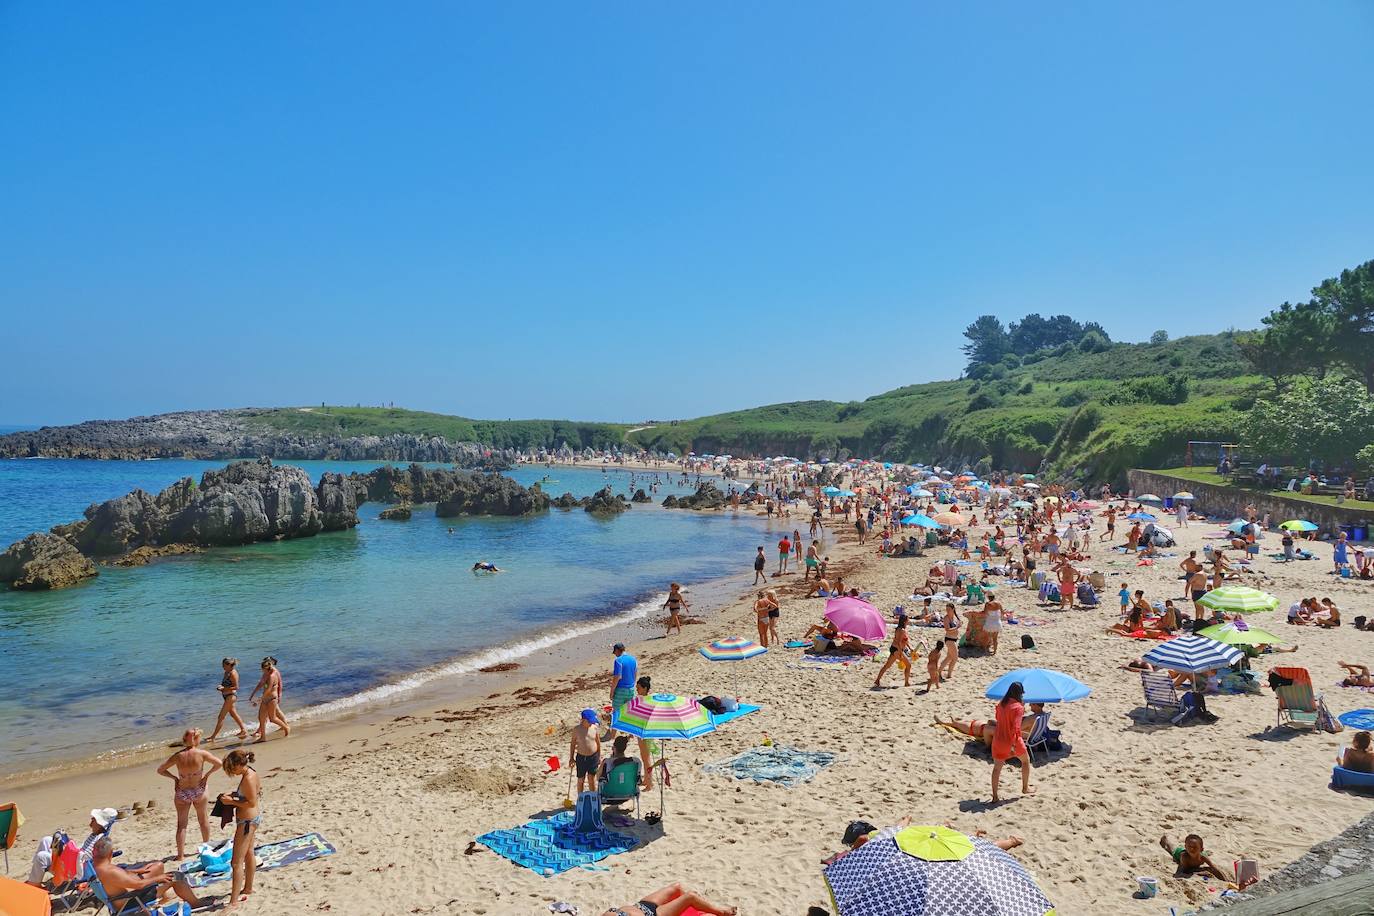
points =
(134, 654)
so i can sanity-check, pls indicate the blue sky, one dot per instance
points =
(626, 210)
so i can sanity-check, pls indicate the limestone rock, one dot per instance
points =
(399, 513)
(640, 496)
(338, 501)
(142, 556)
(44, 561)
(604, 502)
(707, 496)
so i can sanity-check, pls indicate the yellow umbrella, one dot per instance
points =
(934, 844)
(1050, 499)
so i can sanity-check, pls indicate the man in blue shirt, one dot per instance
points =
(624, 670)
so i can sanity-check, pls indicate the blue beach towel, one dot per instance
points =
(1362, 719)
(551, 846)
(778, 764)
(273, 855)
(720, 718)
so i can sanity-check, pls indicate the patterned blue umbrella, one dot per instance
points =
(880, 879)
(1193, 654)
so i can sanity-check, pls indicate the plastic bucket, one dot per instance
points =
(1148, 886)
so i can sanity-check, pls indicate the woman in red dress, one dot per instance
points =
(1007, 741)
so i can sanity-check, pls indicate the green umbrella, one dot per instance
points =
(1240, 635)
(1298, 524)
(1238, 599)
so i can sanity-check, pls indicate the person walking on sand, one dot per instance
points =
(623, 671)
(992, 622)
(760, 561)
(813, 560)
(797, 548)
(952, 623)
(675, 605)
(898, 653)
(228, 690)
(1007, 740)
(269, 710)
(933, 667)
(1110, 533)
(190, 780)
(246, 801)
(784, 551)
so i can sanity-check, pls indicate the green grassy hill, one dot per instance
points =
(1084, 414)
(383, 421)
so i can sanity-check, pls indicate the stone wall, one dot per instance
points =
(1230, 501)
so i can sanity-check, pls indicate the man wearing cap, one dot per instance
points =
(623, 672)
(102, 819)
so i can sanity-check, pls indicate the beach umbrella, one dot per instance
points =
(1022, 504)
(1238, 633)
(1042, 685)
(661, 717)
(1027, 476)
(831, 491)
(1002, 491)
(1238, 526)
(1050, 499)
(949, 518)
(1238, 599)
(1141, 517)
(1148, 498)
(731, 649)
(920, 493)
(19, 899)
(1192, 654)
(921, 520)
(923, 871)
(848, 493)
(1184, 494)
(1298, 524)
(856, 617)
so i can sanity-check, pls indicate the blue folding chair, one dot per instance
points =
(130, 900)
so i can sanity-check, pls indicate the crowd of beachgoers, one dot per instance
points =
(910, 633)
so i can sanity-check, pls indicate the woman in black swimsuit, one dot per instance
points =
(671, 901)
(952, 623)
(228, 689)
(675, 605)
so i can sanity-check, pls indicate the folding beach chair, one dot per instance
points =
(621, 785)
(1160, 693)
(10, 819)
(1039, 736)
(1297, 705)
(70, 890)
(132, 906)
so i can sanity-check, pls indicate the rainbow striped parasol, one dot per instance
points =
(662, 716)
(731, 649)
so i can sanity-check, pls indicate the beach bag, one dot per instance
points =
(1027, 641)
(1052, 592)
(1325, 721)
(216, 861)
(587, 818)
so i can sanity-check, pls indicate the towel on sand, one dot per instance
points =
(270, 855)
(778, 764)
(744, 709)
(551, 846)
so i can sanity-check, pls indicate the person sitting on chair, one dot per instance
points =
(102, 819)
(617, 757)
(148, 884)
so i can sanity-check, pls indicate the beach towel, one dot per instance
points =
(779, 764)
(1352, 687)
(1362, 719)
(551, 846)
(270, 855)
(830, 662)
(743, 709)
(796, 643)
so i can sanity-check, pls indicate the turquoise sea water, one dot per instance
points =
(132, 655)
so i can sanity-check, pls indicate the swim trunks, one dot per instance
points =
(587, 764)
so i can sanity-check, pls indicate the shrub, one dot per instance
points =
(982, 402)
(1073, 397)
(1026, 387)
(1159, 337)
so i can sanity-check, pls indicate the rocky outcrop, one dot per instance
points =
(640, 496)
(670, 502)
(566, 501)
(399, 513)
(44, 561)
(604, 502)
(453, 492)
(235, 434)
(142, 556)
(338, 501)
(707, 496)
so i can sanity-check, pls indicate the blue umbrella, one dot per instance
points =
(1141, 517)
(1238, 526)
(921, 519)
(1042, 686)
(831, 491)
(1193, 654)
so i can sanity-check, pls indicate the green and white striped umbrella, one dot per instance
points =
(1238, 599)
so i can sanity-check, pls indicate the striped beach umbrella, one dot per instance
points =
(1238, 599)
(1192, 654)
(1239, 633)
(663, 716)
(731, 649)
(883, 878)
(1184, 494)
(950, 518)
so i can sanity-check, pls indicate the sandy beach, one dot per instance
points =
(402, 792)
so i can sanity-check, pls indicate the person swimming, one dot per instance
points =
(484, 566)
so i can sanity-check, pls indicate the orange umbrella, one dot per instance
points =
(949, 518)
(19, 899)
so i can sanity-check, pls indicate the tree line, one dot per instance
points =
(989, 342)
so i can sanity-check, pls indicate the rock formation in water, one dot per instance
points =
(566, 501)
(44, 561)
(453, 492)
(640, 496)
(604, 502)
(399, 513)
(707, 496)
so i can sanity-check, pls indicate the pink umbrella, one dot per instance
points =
(856, 617)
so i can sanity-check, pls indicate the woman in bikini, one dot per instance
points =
(229, 689)
(899, 653)
(190, 779)
(246, 801)
(675, 605)
(1359, 675)
(672, 900)
(270, 708)
(952, 623)
(762, 608)
(774, 614)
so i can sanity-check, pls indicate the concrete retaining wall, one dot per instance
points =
(1231, 501)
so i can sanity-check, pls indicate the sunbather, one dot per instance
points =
(1358, 677)
(151, 882)
(671, 901)
(1191, 857)
(102, 819)
(1358, 756)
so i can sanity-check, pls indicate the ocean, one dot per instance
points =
(353, 617)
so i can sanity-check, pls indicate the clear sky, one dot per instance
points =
(629, 210)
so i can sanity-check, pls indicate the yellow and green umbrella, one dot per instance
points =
(1298, 524)
(1238, 599)
(934, 844)
(1237, 633)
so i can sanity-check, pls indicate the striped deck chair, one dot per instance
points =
(1039, 736)
(1297, 704)
(1160, 693)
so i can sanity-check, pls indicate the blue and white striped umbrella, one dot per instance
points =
(1193, 654)
(880, 879)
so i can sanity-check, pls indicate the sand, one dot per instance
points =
(402, 793)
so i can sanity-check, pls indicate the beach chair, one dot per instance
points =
(1341, 778)
(132, 906)
(70, 890)
(1297, 705)
(621, 785)
(1040, 736)
(10, 819)
(1160, 693)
